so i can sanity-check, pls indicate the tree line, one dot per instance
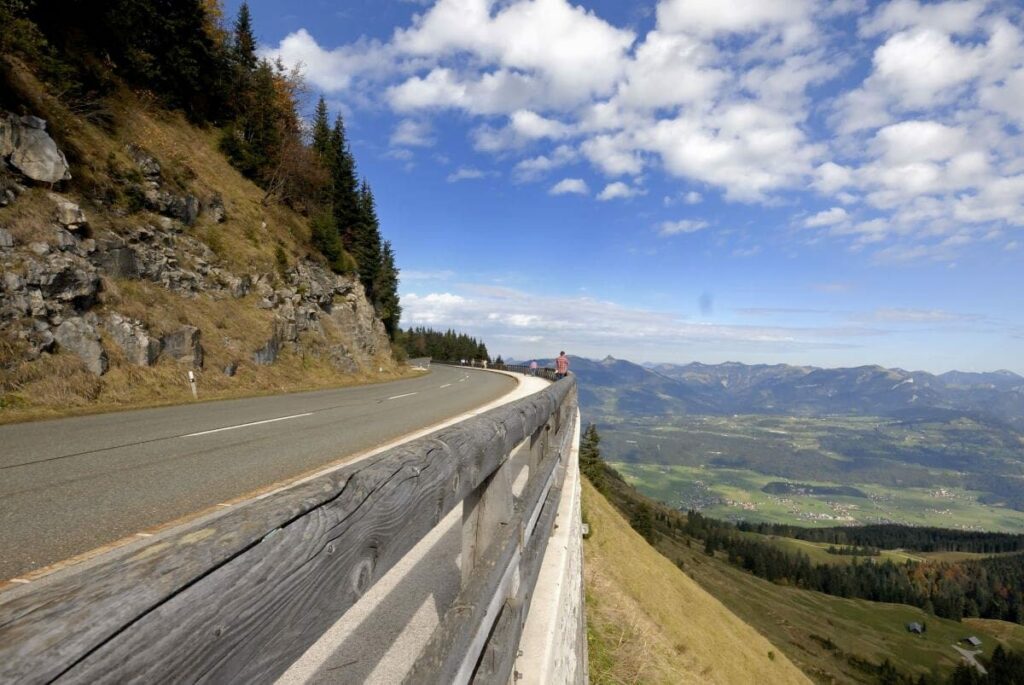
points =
(895, 536)
(182, 53)
(446, 345)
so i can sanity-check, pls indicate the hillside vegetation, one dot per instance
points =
(831, 639)
(648, 622)
(197, 226)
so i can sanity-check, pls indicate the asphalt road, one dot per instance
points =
(72, 485)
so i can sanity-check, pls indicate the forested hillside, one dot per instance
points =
(164, 206)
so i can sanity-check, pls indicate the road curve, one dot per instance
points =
(72, 485)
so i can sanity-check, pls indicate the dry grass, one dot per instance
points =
(30, 218)
(648, 622)
(248, 241)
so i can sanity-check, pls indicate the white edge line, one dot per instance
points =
(145, 535)
(246, 425)
(408, 394)
(20, 580)
(446, 385)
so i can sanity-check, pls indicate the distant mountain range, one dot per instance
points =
(615, 387)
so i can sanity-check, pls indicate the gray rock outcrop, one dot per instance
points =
(184, 346)
(25, 143)
(69, 215)
(79, 336)
(138, 346)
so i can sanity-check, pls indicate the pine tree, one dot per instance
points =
(390, 310)
(244, 43)
(322, 135)
(346, 187)
(366, 246)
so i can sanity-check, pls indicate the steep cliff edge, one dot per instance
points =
(133, 252)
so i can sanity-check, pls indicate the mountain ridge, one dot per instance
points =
(615, 386)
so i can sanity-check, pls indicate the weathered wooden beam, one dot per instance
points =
(238, 598)
(484, 512)
(457, 643)
(499, 656)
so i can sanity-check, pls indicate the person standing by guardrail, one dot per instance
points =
(533, 367)
(561, 366)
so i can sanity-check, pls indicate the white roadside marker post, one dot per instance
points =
(192, 384)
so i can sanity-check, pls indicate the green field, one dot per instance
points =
(956, 474)
(736, 494)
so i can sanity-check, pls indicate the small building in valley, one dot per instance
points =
(972, 641)
(915, 627)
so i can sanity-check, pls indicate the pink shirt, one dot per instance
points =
(562, 364)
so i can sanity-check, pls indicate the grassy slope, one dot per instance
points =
(799, 621)
(649, 623)
(247, 242)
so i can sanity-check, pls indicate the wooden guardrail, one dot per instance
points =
(239, 597)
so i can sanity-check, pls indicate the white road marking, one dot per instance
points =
(408, 394)
(20, 580)
(222, 504)
(145, 535)
(447, 385)
(246, 425)
(461, 380)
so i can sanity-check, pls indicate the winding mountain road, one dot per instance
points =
(70, 486)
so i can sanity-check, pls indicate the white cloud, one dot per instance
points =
(571, 52)
(828, 217)
(537, 325)
(618, 189)
(920, 124)
(535, 167)
(411, 133)
(464, 174)
(668, 228)
(570, 186)
(736, 16)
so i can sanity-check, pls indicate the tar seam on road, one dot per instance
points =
(246, 425)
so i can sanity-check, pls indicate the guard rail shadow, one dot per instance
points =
(240, 596)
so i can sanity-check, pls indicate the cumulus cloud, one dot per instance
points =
(570, 186)
(617, 190)
(411, 133)
(919, 128)
(828, 217)
(668, 228)
(465, 174)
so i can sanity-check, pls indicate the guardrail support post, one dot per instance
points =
(485, 510)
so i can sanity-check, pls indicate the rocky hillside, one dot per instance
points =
(132, 252)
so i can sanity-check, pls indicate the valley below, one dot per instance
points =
(815, 447)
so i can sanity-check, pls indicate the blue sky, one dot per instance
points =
(798, 181)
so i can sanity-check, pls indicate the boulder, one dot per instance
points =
(6, 239)
(215, 208)
(134, 340)
(66, 278)
(78, 335)
(183, 345)
(117, 260)
(69, 214)
(231, 369)
(31, 149)
(268, 353)
(146, 163)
